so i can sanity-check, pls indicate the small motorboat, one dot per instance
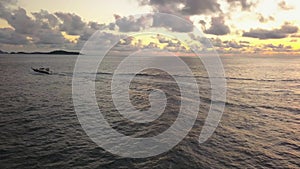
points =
(42, 70)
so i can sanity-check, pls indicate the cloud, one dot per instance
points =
(264, 34)
(245, 5)
(278, 48)
(48, 36)
(44, 28)
(96, 26)
(218, 26)
(202, 22)
(136, 24)
(40, 30)
(193, 7)
(234, 44)
(206, 42)
(219, 45)
(279, 33)
(91, 28)
(71, 23)
(263, 19)
(217, 42)
(19, 20)
(172, 46)
(111, 26)
(282, 5)
(244, 42)
(5, 4)
(151, 45)
(9, 36)
(185, 7)
(287, 28)
(46, 19)
(162, 39)
(131, 23)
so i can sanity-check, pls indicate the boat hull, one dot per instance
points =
(41, 71)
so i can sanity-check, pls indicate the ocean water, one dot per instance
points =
(260, 127)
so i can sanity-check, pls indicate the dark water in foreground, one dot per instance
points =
(260, 127)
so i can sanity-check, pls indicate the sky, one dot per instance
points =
(255, 27)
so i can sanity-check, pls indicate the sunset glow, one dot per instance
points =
(234, 27)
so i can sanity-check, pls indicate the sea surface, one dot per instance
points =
(260, 127)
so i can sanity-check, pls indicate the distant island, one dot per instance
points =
(55, 52)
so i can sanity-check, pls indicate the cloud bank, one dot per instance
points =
(278, 33)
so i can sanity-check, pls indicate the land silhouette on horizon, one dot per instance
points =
(54, 52)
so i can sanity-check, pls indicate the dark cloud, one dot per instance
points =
(8, 2)
(202, 22)
(234, 44)
(74, 25)
(128, 24)
(43, 28)
(224, 47)
(217, 42)
(46, 19)
(96, 26)
(282, 5)
(111, 26)
(9, 36)
(245, 4)
(91, 28)
(219, 45)
(244, 42)
(203, 40)
(136, 24)
(151, 45)
(278, 48)
(218, 26)
(162, 39)
(263, 19)
(287, 28)
(5, 5)
(175, 46)
(264, 34)
(185, 7)
(71, 23)
(48, 36)
(230, 51)
(40, 30)
(19, 20)
(86, 34)
(132, 24)
(282, 32)
(194, 7)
